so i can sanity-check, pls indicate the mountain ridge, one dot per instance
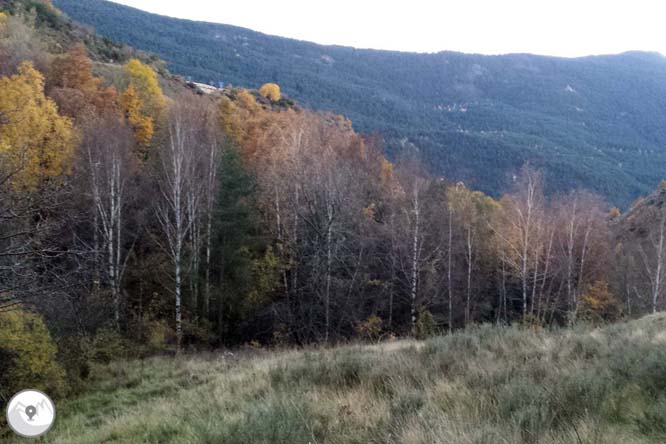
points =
(363, 48)
(593, 121)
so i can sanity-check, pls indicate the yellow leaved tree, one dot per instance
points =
(36, 143)
(271, 91)
(144, 79)
(241, 118)
(142, 102)
(141, 124)
(598, 304)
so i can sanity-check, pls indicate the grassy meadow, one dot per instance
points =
(483, 385)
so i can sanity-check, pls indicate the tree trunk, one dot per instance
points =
(469, 274)
(449, 280)
(581, 271)
(205, 311)
(660, 257)
(177, 198)
(179, 319)
(393, 267)
(329, 262)
(570, 258)
(545, 273)
(210, 202)
(415, 257)
(526, 243)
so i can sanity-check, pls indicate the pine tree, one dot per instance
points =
(237, 240)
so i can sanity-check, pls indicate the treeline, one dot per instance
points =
(137, 222)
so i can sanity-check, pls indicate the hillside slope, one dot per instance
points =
(483, 385)
(598, 122)
(59, 33)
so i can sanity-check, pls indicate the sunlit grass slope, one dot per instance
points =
(484, 385)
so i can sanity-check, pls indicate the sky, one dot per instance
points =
(568, 28)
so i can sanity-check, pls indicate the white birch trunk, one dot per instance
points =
(415, 255)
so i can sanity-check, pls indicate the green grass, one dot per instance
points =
(484, 385)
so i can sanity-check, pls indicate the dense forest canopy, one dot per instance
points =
(143, 216)
(592, 122)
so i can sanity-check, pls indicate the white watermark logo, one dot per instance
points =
(30, 413)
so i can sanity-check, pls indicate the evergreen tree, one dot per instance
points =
(237, 241)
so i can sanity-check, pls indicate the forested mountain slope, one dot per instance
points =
(596, 122)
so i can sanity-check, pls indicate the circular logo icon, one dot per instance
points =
(30, 413)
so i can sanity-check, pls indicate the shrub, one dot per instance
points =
(371, 328)
(158, 335)
(599, 305)
(425, 325)
(195, 332)
(108, 345)
(531, 321)
(614, 213)
(28, 355)
(281, 336)
(75, 357)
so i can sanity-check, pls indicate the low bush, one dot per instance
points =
(108, 345)
(28, 356)
(425, 325)
(370, 329)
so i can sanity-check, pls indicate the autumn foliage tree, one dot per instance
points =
(36, 152)
(271, 91)
(598, 304)
(77, 91)
(144, 79)
(142, 124)
(36, 143)
(142, 101)
(74, 70)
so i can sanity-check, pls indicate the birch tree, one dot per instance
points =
(178, 170)
(473, 211)
(416, 225)
(212, 165)
(653, 254)
(581, 238)
(520, 228)
(107, 151)
(200, 200)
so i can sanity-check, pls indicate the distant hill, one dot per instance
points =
(59, 33)
(597, 122)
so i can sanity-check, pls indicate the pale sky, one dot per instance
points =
(567, 28)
